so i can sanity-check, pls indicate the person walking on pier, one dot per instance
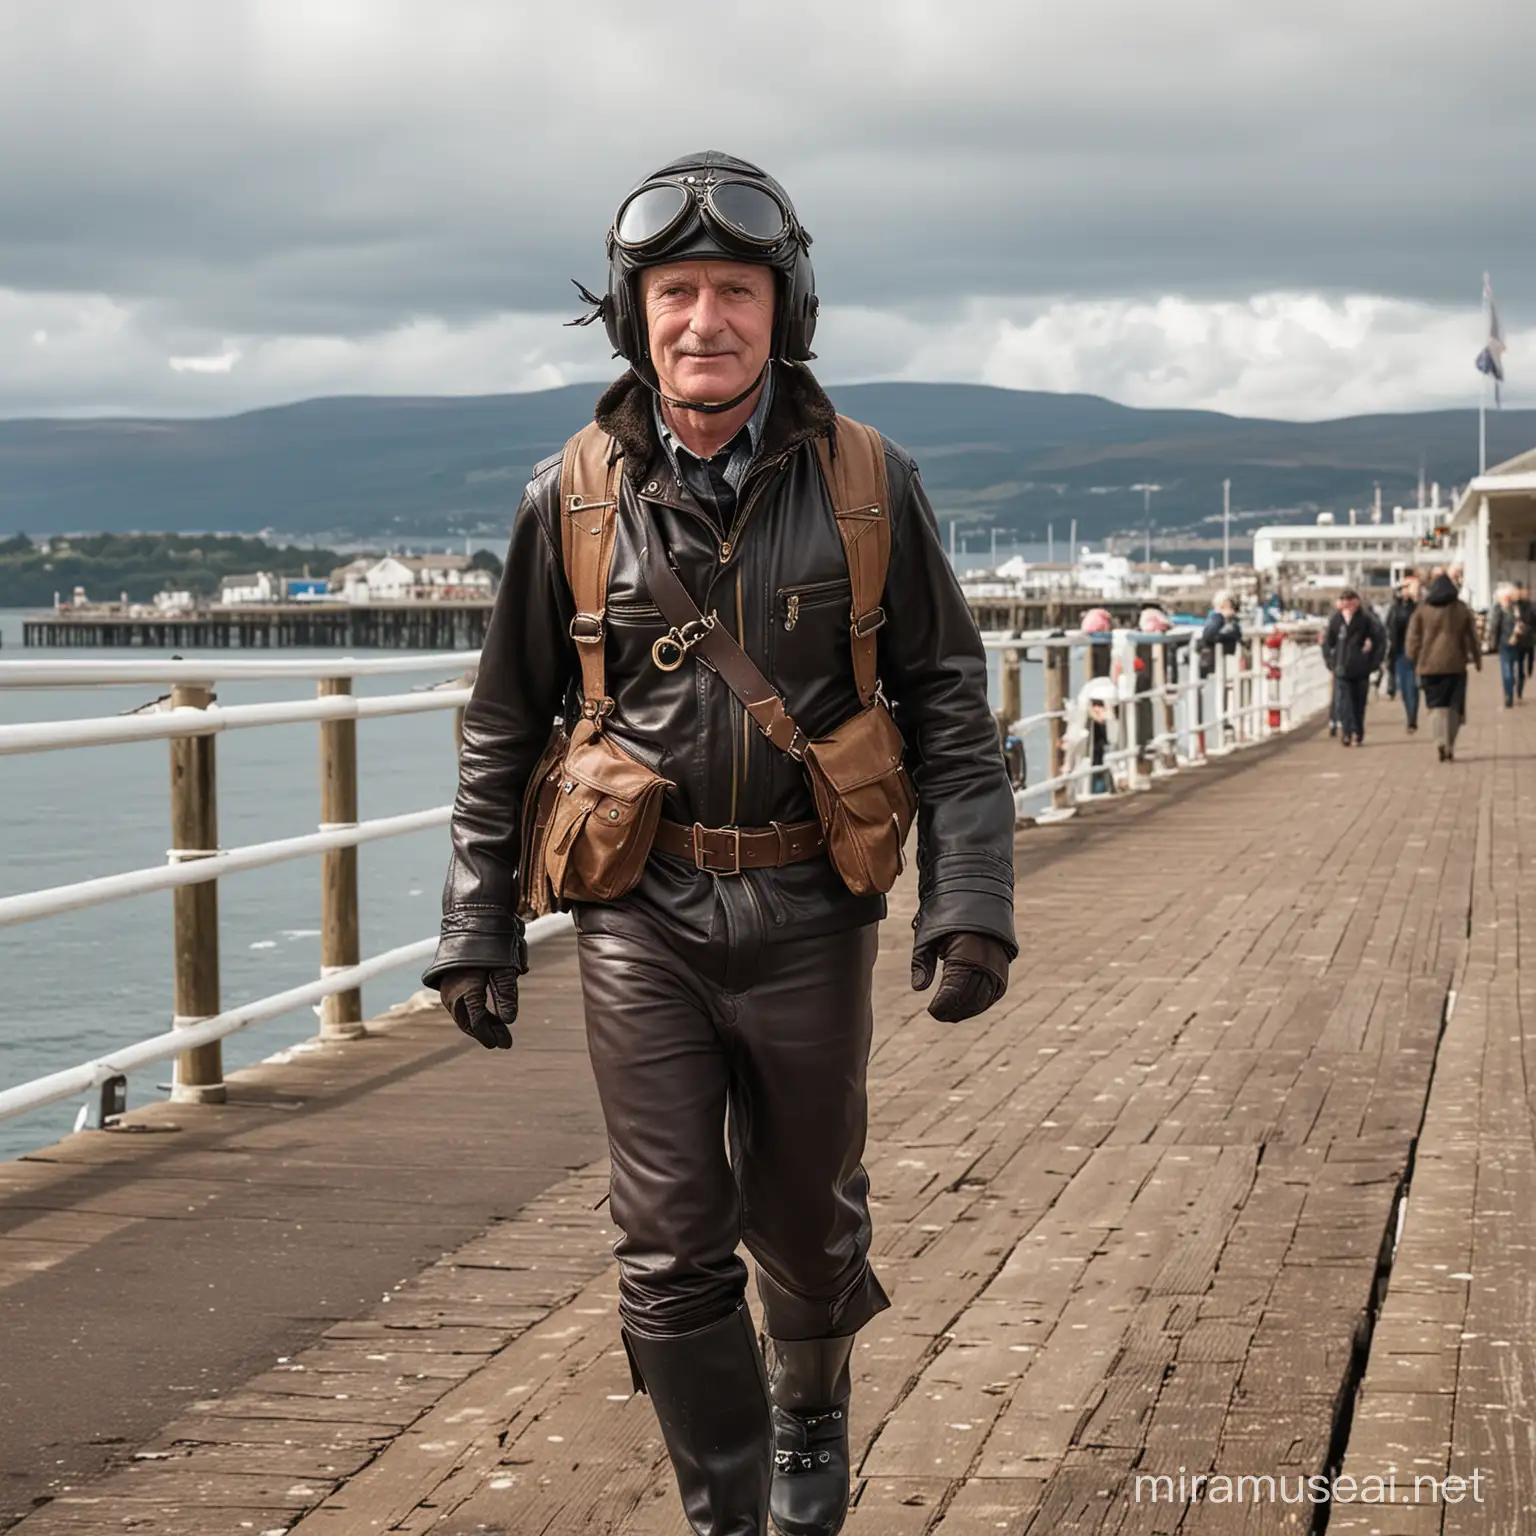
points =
(1354, 648)
(726, 882)
(1442, 640)
(1508, 630)
(1403, 679)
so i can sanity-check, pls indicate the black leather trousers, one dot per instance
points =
(731, 1071)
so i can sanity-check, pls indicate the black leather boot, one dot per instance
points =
(809, 1385)
(711, 1399)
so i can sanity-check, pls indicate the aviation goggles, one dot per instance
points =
(740, 213)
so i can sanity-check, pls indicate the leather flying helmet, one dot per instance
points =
(698, 206)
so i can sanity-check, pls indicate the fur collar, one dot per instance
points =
(800, 412)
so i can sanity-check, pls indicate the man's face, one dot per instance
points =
(1349, 606)
(710, 325)
(1411, 589)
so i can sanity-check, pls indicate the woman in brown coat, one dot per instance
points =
(1442, 639)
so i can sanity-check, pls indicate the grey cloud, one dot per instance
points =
(326, 167)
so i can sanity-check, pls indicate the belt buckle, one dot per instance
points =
(701, 853)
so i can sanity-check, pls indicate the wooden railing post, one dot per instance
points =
(341, 1014)
(1058, 671)
(1012, 688)
(199, 1075)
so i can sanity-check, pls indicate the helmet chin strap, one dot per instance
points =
(707, 408)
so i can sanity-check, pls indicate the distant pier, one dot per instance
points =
(455, 626)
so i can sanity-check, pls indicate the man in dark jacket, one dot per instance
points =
(1403, 678)
(1508, 632)
(1354, 648)
(728, 1000)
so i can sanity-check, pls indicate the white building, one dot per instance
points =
(1110, 577)
(1354, 554)
(1493, 529)
(411, 579)
(263, 587)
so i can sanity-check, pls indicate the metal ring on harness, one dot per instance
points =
(670, 650)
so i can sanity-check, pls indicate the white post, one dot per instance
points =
(1479, 572)
(1129, 732)
(1259, 692)
(1221, 698)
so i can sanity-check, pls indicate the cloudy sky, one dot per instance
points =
(1272, 207)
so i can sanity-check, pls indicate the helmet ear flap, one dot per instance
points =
(625, 319)
(802, 307)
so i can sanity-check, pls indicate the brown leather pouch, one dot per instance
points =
(602, 819)
(536, 898)
(864, 797)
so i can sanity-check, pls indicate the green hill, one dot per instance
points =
(377, 468)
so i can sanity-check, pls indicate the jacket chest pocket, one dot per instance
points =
(799, 604)
(633, 627)
(809, 655)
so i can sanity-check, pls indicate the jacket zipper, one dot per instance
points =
(796, 599)
(756, 481)
(746, 719)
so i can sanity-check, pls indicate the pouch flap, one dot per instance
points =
(861, 750)
(597, 762)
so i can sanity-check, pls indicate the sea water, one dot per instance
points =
(76, 986)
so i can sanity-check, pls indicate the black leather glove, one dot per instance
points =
(975, 974)
(483, 1004)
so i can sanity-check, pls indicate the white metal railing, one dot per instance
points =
(1275, 681)
(190, 720)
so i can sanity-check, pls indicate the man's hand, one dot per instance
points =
(975, 974)
(483, 1004)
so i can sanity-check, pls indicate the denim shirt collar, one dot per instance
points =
(743, 448)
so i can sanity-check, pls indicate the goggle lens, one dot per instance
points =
(649, 213)
(750, 211)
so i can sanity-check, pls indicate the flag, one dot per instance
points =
(1491, 359)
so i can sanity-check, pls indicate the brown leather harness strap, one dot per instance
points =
(589, 499)
(718, 647)
(854, 471)
(729, 850)
(856, 482)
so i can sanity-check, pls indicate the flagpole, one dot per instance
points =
(1482, 428)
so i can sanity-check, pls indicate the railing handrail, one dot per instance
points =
(190, 720)
(192, 866)
(184, 870)
(220, 667)
(65, 1084)
(168, 724)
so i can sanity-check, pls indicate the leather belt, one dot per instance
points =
(729, 850)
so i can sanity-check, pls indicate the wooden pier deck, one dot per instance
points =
(1145, 1219)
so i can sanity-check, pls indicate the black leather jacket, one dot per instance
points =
(778, 579)
(1345, 651)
